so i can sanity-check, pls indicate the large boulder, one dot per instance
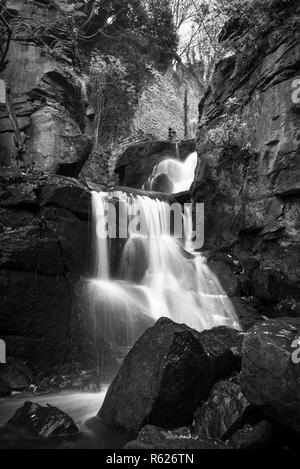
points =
(162, 380)
(43, 422)
(222, 412)
(270, 370)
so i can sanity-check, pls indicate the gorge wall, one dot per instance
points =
(249, 170)
(45, 234)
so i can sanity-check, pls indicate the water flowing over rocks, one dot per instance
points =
(43, 422)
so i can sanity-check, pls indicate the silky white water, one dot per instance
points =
(158, 276)
(177, 175)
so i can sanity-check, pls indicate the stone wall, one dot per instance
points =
(161, 106)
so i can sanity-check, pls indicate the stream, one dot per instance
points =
(82, 407)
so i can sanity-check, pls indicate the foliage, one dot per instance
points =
(228, 136)
(217, 28)
(112, 94)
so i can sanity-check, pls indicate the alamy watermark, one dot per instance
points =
(296, 353)
(125, 220)
(296, 92)
(2, 352)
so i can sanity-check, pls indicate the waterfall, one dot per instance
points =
(100, 242)
(158, 275)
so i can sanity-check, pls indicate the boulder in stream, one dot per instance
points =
(270, 374)
(161, 382)
(42, 422)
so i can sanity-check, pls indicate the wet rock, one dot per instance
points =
(224, 347)
(288, 307)
(260, 436)
(162, 183)
(5, 389)
(222, 412)
(162, 380)
(247, 314)
(152, 437)
(66, 193)
(267, 285)
(17, 375)
(43, 422)
(226, 276)
(250, 265)
(252, 196)
(270, 370)
(34, 316)
(19, 195)
(56, 143)
(31, 248)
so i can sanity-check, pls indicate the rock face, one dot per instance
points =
(44, 248)
(249, 182)
(222, 412)
(43, 422)
(161, 381)
(48, 95)
(270, 370)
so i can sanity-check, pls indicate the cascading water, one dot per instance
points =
(172, 175)
(158, 276)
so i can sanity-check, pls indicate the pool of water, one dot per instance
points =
(82, 407)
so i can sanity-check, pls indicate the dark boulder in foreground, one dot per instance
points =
(223, 412)
(151, 437)
(43, 422)
(224, 347)
(270, 374)
(162, 380)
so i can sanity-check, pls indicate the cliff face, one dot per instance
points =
(249, 172)
(45, 213)
(47, 88)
